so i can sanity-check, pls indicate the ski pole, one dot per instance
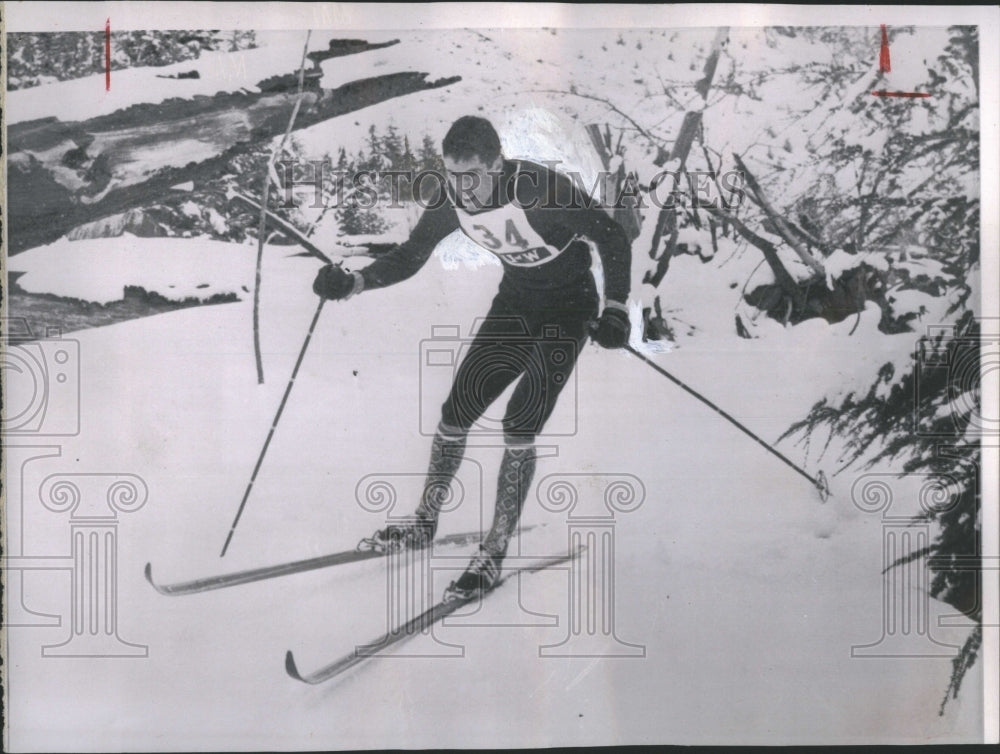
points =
(819, 481)
(274, 425)
(263, 217)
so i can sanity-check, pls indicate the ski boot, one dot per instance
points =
(415, 532)
(480, 577)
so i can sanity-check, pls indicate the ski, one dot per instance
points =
(412, 627)
(284, 569)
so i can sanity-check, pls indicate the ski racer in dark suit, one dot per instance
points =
(540, 227)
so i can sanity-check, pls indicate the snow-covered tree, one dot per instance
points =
(34, 58)
(851, 200)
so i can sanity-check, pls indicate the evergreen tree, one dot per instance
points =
(929, 417)
(392, 148)
(428, 157)
(407, 164)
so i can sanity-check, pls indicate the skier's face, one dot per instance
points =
(472, 180)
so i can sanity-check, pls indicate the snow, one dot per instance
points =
(84, 98)
(759, 590)
(385, 61)
(840, 262)
(911, 55)
(747, 593)
(219, 224)
(913, 301)
(98, 269)
(537, 134)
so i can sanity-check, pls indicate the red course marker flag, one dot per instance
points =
(884, 93)
(883, 56)
(107, 55)
(885, 66)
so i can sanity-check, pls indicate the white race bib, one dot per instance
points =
(506, 232)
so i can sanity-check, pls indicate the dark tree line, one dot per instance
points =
(34, 58)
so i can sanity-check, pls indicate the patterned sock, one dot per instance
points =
(516, 472)
(446, 457)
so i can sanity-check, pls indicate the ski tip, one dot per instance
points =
(290, 667)
(149, 577)
(148, 571)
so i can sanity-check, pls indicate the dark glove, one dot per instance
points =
(612, 329)
(334, 283)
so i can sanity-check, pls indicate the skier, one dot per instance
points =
(535, 221)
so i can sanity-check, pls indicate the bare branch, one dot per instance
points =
(770, 252)
(611, 106)
(779, 221)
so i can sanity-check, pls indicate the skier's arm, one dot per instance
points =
(614, 249)
(564, 212)
(613, 328)
(437, 221)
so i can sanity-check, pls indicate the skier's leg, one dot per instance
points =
(496, 357)
(516, 471)
(527, 412)
(547, 372)
(552, 361)
(418, 530)
(488, 368)
(534, 398)
(517, 468)
(447, 450)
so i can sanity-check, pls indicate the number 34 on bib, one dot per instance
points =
(507, 233)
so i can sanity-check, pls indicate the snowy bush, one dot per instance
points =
(850, 198)
(928, 417)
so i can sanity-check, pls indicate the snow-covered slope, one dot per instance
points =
(746, 592)
(98, 269)
(80, 99)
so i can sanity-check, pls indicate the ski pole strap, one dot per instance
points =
(370, 544)
(819, 482)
